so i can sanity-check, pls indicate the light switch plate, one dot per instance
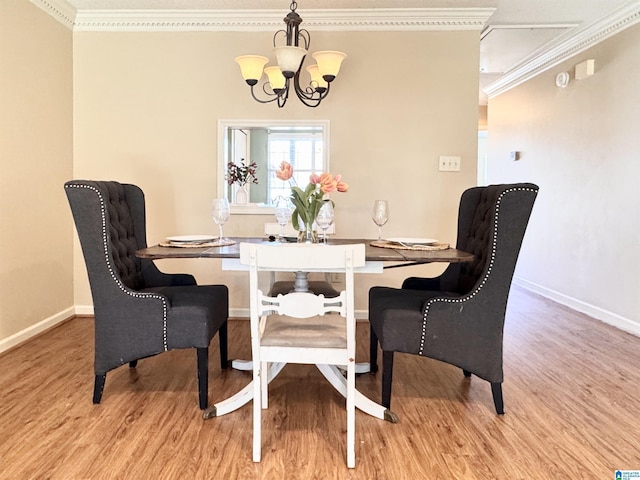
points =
(449, 164)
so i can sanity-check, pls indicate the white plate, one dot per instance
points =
(191, 238)
(412, 241)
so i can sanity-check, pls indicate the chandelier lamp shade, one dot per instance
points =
(286, 76)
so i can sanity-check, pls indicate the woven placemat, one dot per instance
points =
(214, 243)
(397, 246)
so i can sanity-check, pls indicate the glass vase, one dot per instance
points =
(308, 234)
(242, 196)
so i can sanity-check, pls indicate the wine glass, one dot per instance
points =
(324, 219)
(220, 212)
(380, 215)
(283, 210)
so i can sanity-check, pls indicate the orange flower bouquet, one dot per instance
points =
(307, 202)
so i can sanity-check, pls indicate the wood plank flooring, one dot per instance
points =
(572, 403)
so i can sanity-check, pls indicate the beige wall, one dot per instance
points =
(36, 283)
(580, 144)
(147, 106)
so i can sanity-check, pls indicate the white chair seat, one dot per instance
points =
(327, 331)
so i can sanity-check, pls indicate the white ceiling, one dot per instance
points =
(516, 30)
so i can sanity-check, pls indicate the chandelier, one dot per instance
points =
(290, 57)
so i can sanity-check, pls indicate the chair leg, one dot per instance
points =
(496, 390)
(351, 415)
(264, 387)
(257, 407)
(133, 364)
(203, 377)
(387, 377)
(373, 351)
(222, 335)
(98, 387)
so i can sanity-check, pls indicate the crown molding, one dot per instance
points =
(376, 19)
(568, 45)
(267, 20)
(61, 10)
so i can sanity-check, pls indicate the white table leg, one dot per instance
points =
(241, 398)
(364, 367)
(335, 378)
(330, 372)
(244, 365)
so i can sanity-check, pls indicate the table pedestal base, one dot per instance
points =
(331, 372)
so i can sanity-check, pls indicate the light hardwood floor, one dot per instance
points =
(572, 403)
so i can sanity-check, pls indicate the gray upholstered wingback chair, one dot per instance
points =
(139, 311)
(458, 317)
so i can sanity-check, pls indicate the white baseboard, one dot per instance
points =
(33, 330)
(598, 313)
(239, 313)
(84, 310)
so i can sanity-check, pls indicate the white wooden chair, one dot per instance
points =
(302, 327)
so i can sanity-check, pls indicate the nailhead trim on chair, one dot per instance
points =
(472, 294)
(112, 272)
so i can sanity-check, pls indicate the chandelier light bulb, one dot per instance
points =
(319, 83)
(329, 62)
(251, 67)
(276, 79)
(289, 59)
